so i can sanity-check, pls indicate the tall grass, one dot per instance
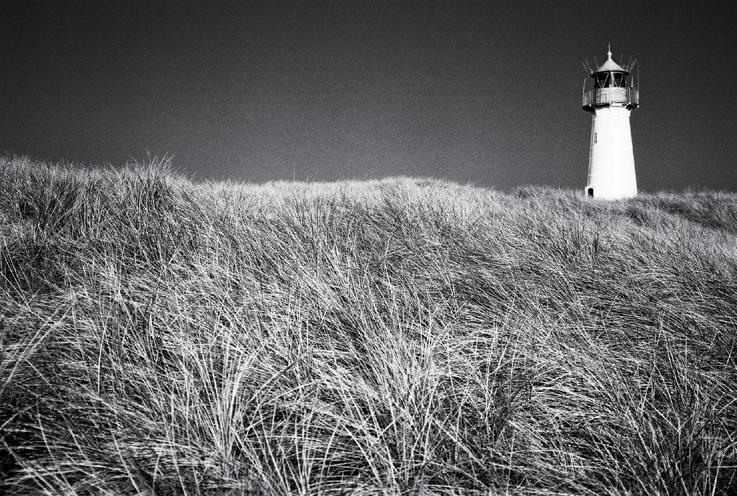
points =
(402, 336)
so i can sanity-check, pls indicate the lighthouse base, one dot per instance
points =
(611, 160)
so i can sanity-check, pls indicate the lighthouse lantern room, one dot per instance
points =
(610, 101)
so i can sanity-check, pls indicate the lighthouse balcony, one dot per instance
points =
(617, 96)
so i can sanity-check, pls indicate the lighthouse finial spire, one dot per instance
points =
(609, 50)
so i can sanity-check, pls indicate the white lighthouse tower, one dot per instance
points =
(611, 161)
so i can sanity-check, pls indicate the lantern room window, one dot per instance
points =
(610, 80)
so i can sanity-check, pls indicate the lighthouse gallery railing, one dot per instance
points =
(629, 97)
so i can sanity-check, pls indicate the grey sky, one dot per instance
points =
(471, 91)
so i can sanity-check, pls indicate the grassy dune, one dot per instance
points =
(402, 336)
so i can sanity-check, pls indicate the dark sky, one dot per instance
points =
(486, 92)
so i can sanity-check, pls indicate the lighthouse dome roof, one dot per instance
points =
(610, 65)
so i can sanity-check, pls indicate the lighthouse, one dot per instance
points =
(611, 160)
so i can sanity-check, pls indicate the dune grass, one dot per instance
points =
(401, 336)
